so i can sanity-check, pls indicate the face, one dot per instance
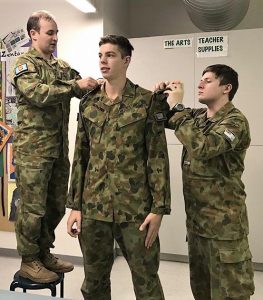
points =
(112, 64)
(45, 41)
(209, 89)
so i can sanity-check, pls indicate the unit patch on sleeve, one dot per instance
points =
(20, 69)
(160, 116)
(229, 135)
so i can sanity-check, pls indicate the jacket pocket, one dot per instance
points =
(94, 120)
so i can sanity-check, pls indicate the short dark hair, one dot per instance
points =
(33, 21)
(122, 42)
(226, 75)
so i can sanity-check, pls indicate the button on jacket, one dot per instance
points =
(120, 170)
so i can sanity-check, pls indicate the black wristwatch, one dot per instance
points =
(178, 107)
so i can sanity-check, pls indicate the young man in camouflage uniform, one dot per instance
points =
(44, 86)
(215, 141)
(120, 178)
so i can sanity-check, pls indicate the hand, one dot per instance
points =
(74, 223)
(87, 83)
(174, 92)
(100, 81)
(161, 86)
(153, 222)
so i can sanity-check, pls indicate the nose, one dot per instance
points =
(201, 85)
(102, 59)
(55, 37)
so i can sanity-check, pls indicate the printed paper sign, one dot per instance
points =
(177, 43)
(212, 46)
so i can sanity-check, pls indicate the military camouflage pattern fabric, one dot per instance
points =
(43, 186)
(212, 165)
(120, 169)
(220, 270)
(44, 89)
(96, 240)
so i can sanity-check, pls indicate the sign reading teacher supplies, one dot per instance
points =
(212, 46)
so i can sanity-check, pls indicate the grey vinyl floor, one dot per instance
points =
(174, 277)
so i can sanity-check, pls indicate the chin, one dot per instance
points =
(203, 101)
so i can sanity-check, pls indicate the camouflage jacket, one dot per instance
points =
(44, 89)
(120, 170)
(212, 164)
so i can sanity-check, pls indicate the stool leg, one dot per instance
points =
(53, 290)
(13, 286)
(62, 288)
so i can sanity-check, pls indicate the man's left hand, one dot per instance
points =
(153, 222)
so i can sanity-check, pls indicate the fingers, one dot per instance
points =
(153, 221)
(175, 94)
(168, 86)
(100, 81)
(151, 236)
(151, 233)
(87, 83)
(176, 84)
(160, 86)
(144, 225)
(74, 223)
(91, 83)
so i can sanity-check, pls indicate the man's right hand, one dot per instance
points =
(74, 223)
(87, 83)
(174, 91)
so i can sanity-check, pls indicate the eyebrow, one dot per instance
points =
(109, 52)
(51, 30)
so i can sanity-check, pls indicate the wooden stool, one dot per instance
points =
(27, 284)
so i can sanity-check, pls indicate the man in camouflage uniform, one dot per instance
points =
(44, 87)
(120, 178)
(215, 141)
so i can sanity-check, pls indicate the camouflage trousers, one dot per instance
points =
(220, 270)
(97, 242)
(43, 185)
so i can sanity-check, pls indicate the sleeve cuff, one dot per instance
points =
(161, 210)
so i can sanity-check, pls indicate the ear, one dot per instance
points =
(127, 60)
(228, 88)
(33, 34)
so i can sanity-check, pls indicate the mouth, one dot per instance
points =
(104, 69)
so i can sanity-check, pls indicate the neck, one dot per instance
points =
(47, 56)
(114, 88)
(213, 108)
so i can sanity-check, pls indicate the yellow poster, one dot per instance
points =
(12, 201)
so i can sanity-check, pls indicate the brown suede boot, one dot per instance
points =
(55, 264)
(36, 271)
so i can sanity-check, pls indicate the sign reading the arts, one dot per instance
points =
(178, 43)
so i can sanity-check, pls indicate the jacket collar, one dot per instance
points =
(222, 112)
(33, 52)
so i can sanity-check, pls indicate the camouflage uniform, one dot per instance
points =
(217, 224)
(120, 174)
(44, 89)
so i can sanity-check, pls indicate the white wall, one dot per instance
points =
(152, 63)
(78, 44)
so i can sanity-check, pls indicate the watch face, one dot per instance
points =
(178, 107)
